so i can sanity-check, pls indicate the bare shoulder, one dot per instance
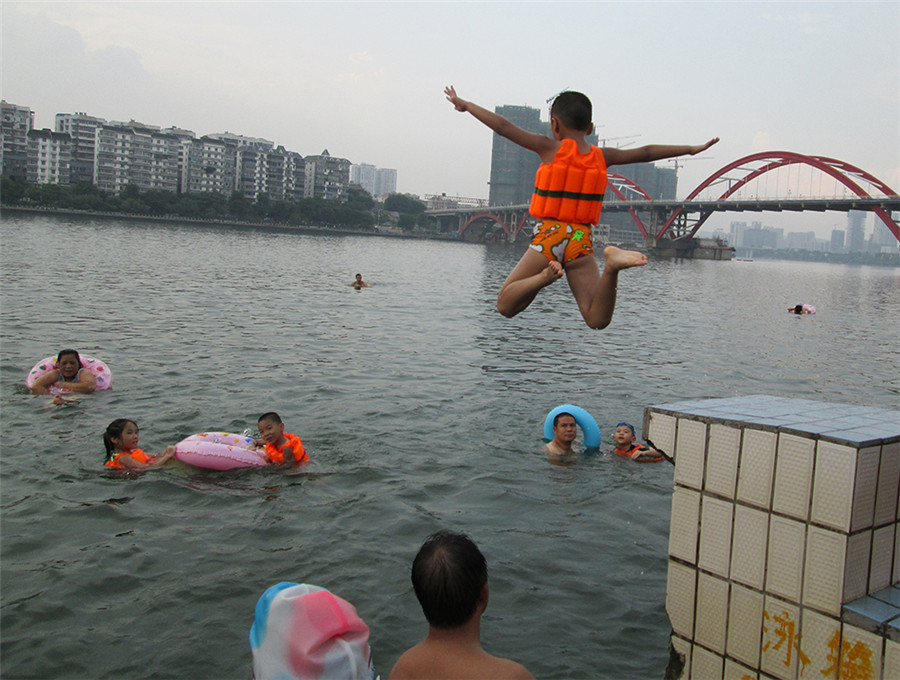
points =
(512, 670)
(405, 668)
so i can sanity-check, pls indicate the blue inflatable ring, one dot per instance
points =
(585, 421)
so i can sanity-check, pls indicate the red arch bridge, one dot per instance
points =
(674, 219)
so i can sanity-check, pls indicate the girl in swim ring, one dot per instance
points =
(71, 376)
(121, 440)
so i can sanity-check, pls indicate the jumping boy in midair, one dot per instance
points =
(567, 200)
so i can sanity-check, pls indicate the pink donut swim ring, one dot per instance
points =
(98, 368)
(220, 451)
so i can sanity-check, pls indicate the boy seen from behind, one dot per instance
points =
(567, 200)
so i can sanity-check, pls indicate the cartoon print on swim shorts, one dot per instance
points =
(559, 250)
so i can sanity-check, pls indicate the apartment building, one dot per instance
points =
(327, 176)
(134, 153)
(385, 183)
(211, 166)
(15, 122)
(363, 174)
(82, 128)
(114, 154)
(49, 157)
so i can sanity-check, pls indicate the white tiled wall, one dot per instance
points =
(772, 532)
(833, 485)
(723, 451)
(681, 595)
(784, 564)
(690, 442)
(745, 617)
(856, 573)
(715, 535)
(862, 512)
(712, 600)
(793, 476)
(751, 538)
(757, 468)
(685, 524)
(824, 570)
(888, 482)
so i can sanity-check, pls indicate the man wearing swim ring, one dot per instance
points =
(449, 576)
(626, 445)
(564, 432)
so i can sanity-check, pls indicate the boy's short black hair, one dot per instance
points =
(271, 415)
(573, 110)
(448, 575)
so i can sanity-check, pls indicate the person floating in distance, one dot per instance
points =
(359, 283)
(449, 576)
(567, 199)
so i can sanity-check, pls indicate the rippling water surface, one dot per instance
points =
(421, 408)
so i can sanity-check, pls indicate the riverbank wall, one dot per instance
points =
(266, 225)
(784, 541)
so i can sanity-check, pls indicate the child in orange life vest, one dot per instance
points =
(121, 440)
(568, 198)
(281, 446)
(626, 445)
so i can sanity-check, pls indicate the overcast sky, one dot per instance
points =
(364, 79)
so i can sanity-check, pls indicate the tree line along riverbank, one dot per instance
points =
(357, 212)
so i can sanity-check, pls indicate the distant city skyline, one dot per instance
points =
(823, 78)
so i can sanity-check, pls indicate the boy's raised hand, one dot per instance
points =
(459, 104)
(697, 149)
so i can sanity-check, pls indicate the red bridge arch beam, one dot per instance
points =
(617, 183)
(840, 170)
(522, 223)
(490, 216)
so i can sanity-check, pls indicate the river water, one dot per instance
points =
(421, 409)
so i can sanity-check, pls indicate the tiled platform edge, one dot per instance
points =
(784, 546)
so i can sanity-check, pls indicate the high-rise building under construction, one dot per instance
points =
(512, 167)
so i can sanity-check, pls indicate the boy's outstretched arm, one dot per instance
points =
(528, 140)
(653, 152)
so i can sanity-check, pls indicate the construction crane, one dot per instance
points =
(604, 140)
(680, 161)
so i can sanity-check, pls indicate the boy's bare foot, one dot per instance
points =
(552, 272)
(617, 259)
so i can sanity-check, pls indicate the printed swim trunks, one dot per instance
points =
(562, 242)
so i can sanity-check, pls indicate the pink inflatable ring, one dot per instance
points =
(98, 368)
(220, 451)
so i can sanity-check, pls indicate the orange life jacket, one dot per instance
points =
(571, 188)
(293, 442)
(636, 447)
(137, 454)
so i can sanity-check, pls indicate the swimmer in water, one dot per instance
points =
(564, 432)
(359, 283)
(122, 452)
(70, 376)
(281, 447)
(626, 445)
